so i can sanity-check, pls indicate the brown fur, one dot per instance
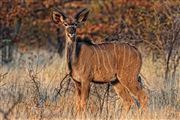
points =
(106, 62)
(102, 63)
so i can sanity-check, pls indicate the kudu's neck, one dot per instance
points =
(70, 54)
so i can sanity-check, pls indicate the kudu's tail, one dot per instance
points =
(145, 84)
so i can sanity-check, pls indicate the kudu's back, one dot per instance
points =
(104, 62)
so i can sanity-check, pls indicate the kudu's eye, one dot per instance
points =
(65, 24)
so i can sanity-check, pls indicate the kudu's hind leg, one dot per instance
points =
(135, 87)
(125, 95)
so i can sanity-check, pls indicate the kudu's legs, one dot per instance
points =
(130, 80)
(135, 88)
(125, 95)
(85, 87)
(78, 95)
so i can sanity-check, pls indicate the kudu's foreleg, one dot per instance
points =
(78, 95)
(85, 87)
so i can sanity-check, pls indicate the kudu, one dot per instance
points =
(115, 62)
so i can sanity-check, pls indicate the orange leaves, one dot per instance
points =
(106, 17)
(29, 1)
(140, 3)
(98, 31)
(48, 3)
(9, 13)
(75, 4)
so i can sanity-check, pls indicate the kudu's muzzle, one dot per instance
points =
(71, 30)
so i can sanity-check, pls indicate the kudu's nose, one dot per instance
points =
(71, 30)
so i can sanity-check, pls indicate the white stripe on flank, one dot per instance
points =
(138, 58)
(107, 55)
(136, 53)
(123, 60)
(128, 56)
(103, 58)
(97, 56)
(115, 56)
(134, 60)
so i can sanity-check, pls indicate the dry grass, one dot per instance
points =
(30, 92)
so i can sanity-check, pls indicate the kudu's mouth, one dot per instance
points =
(71, 30)
(72, 35)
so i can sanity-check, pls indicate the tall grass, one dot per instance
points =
(35, 91)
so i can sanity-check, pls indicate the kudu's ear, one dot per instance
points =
(82, 15)
(58, 16)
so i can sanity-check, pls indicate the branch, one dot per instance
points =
(6, 113)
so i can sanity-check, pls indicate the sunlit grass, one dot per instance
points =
(22, 98)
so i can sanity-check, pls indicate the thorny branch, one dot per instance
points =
(61, 85)
(6, 113)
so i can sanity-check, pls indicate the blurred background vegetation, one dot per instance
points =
(151, 25)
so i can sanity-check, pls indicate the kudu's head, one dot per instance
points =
(70, 23)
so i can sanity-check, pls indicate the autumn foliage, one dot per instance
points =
(153, 26)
